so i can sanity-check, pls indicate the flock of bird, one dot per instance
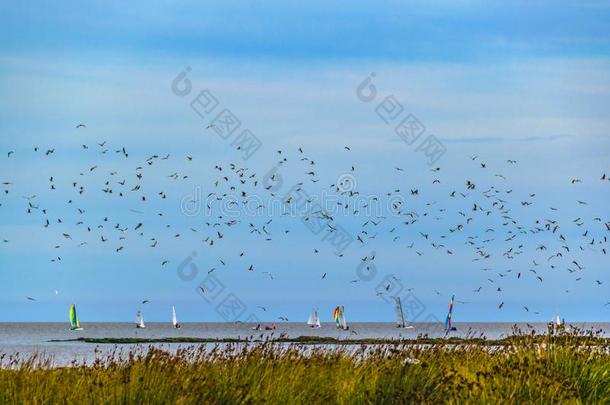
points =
(493, 222)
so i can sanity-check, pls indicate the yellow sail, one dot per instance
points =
(74, 324)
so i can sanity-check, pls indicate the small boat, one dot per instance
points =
(339, 317)
(448, 327)
(175, 319)
(140, 320)
(257, 327)
(74, 323)
(314, 319)
(400, 317)
(558, 322)
(272, 327)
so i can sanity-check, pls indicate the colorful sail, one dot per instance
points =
(74, 324)
(336, 315)
(339, 317)
(448, 320)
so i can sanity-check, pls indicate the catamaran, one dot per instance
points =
(339, 317)
(140, 320)
(448, 327)
(314, 319)
(74, 323)
(400, 316)
(175, 319)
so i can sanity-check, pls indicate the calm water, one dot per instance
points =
(30, 338)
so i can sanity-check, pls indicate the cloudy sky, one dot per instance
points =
(517, 81)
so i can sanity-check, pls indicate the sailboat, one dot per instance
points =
(448, 327)
(140, 320)
(74, 323)
(314, 319)
(400, 317)
(339, 317)
(558, 322)
(175, 319)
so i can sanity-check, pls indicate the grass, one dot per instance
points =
(557, 368)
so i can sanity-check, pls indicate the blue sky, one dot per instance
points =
(500, 81)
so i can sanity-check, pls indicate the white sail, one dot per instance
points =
(140, 320)
(314, 319)
(174, 318)
(342, 320)
(310, 320)
(400, 317)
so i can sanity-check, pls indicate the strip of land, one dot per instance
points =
(320, 340)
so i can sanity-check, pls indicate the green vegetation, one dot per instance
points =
(570, 368)
(576, 337)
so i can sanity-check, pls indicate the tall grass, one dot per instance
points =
(566, 368)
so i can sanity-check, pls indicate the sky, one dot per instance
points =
(491, 82)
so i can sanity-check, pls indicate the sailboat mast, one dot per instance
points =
(400, 318)
(448, 320)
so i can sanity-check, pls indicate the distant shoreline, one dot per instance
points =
(316, 340)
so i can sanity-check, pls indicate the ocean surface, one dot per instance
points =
(28, 339)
